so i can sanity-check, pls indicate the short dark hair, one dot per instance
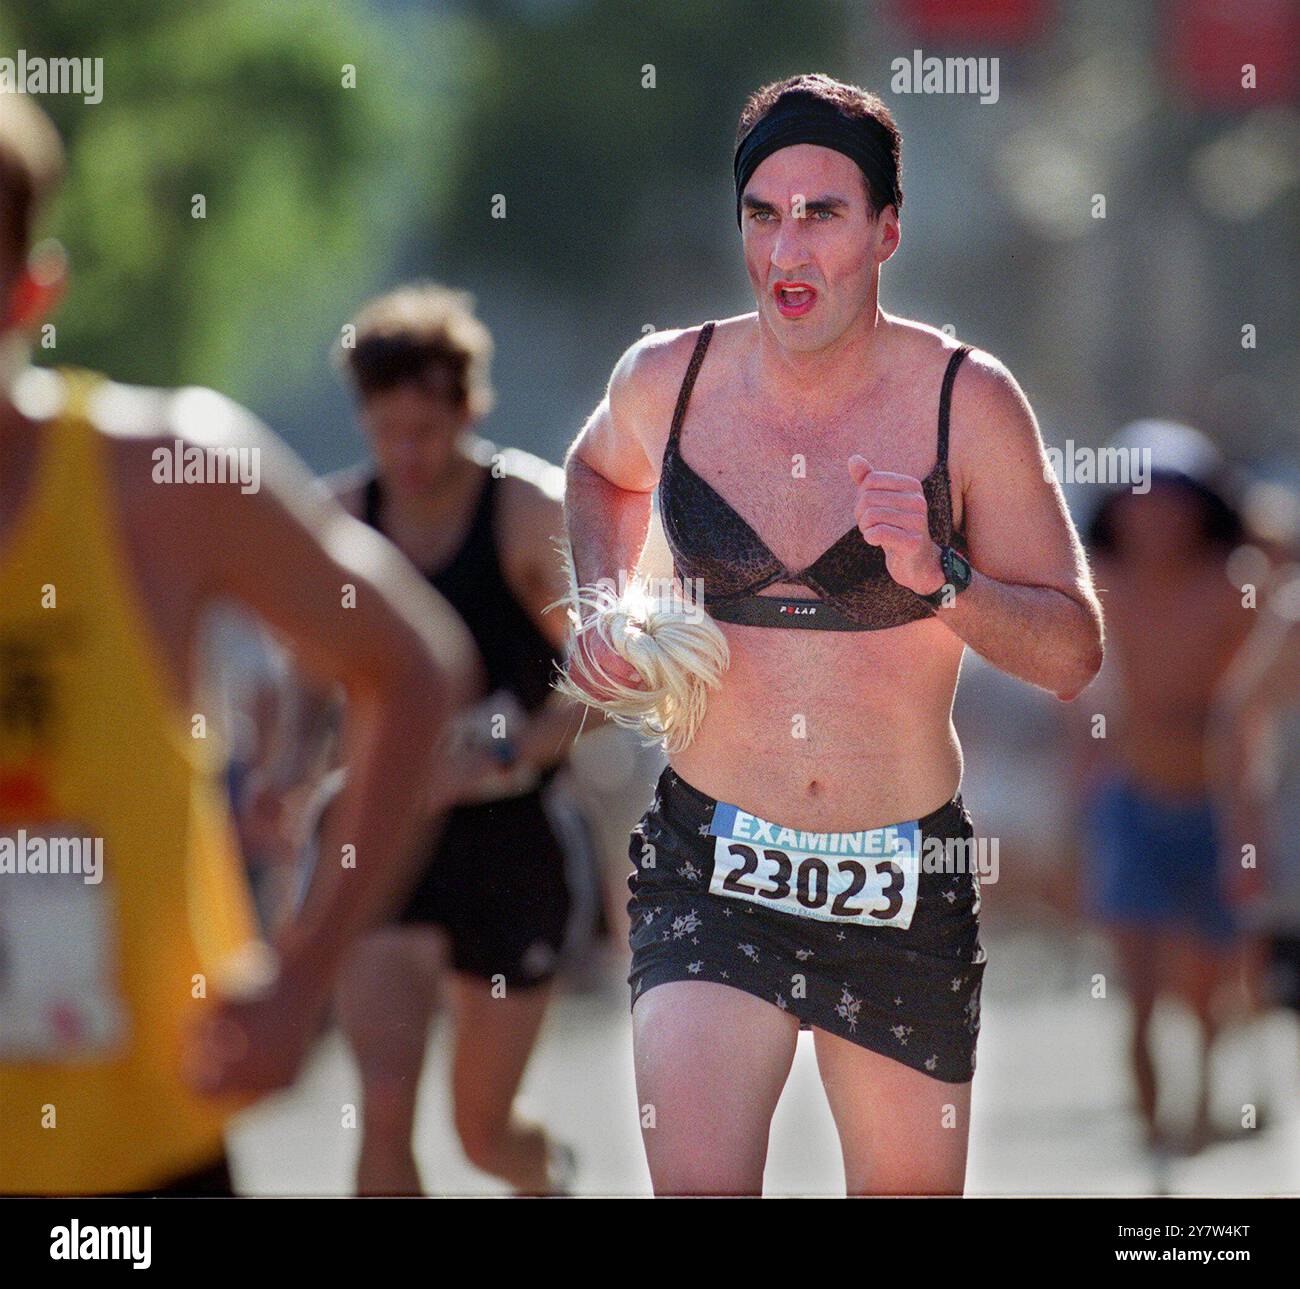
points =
(1218, 516)
(852, 102)
(422, 334)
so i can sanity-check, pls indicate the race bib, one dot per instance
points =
(59, 974)
(868, 878)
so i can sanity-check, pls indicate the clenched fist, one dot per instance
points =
(891, 512)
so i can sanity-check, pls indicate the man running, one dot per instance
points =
(822, 466)
(1176, 622)
(129, 967)
(512, 875)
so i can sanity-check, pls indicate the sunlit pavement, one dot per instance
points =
(1052, 1108)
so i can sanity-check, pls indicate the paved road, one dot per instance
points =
(1052, 1109)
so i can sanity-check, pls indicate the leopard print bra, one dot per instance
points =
(852, 587)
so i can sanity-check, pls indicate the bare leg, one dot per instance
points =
(710, 1065)
(901, 1131)
(494, 1039)
(1198, 969)
(1139, 959)
(386, 996)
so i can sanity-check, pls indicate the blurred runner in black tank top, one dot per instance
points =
(511, 880)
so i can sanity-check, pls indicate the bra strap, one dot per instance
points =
(945, 400)
(688, 382)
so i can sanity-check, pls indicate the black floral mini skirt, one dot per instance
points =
(871, 936)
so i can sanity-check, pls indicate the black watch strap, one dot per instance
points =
(956, 577)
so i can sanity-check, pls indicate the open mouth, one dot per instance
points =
(793, 299)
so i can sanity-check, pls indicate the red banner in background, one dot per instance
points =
(1210, 42)
(1002, 22)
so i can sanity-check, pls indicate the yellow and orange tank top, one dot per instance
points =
(122, 898)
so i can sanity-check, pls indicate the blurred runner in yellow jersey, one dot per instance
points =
(137, 1007)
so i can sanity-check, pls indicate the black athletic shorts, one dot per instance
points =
(911, 993)
(514, 883)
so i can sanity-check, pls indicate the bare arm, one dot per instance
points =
(354, 616)
(533, 560)
(610, 476)
(612, 468)
(1030, 608)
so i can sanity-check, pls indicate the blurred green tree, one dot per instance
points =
(596, 162)
(244, 103)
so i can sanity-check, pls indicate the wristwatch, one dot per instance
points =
(956, 577)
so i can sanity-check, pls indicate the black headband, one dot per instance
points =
(800, 117)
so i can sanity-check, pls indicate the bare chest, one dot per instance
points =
(1172, 643)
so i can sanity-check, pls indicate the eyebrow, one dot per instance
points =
(829, 201)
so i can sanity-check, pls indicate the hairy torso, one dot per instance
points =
(1171, 645)
(824, 729)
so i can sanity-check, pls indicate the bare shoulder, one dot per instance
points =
(229, 464)
(168, 428)
(993, 428)
(193, 414)
(164, 446)
(200, 484)
(532, 489)
(132, 419)
(741, 329)
(988, 386)
(983, 381)
(532, 498)
(527, 479)
(647, 378)
(989, 410)
(625, 438)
